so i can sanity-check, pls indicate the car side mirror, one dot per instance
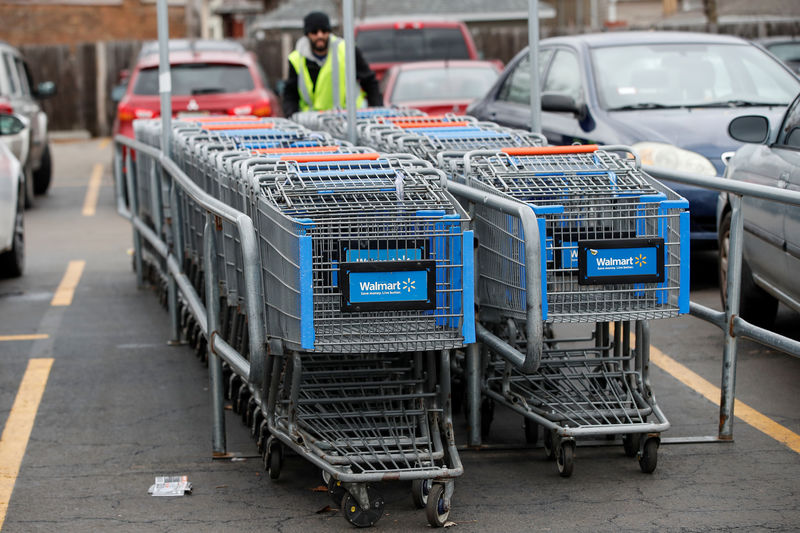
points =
(564, 103)
(10, 124)
(749, 129)
(45, 89)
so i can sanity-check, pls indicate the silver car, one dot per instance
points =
(13, 131)
(18, 95)
(771, 250)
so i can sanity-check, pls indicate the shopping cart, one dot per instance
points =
(614, 250)
(367, 273)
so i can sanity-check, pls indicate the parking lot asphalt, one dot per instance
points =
(94, 404)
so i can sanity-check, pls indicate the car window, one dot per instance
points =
(517, 86)
(416, 44)
(789, 134)
(443, 84)
(8, 66)
(197, 78)
(674, 75)
(22, 77)
(564, 75)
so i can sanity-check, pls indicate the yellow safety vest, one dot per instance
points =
(330, 86)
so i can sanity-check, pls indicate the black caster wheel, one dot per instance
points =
(531, 431)
(487, 415)
(436, 510)
(565, 458)
(241, 400)
(359, 517)
(255, 423)
(630, 443)
(420, 489)
(649, 455)
(549, 449)
(336, 491)
(273, 458)
(249, 411)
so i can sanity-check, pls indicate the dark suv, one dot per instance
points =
(18, 95)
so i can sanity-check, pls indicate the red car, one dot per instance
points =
(384, 44)
(438, 87)
(208, 77)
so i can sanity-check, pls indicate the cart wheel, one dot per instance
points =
(630, 443)
(420, 488)
(487, 415)
(531, 431)
(335, 490)
(436, 510)
(549, 451)
(359, 517)
(326, 476)
(273, 460)
(649, 457)
(565, 458)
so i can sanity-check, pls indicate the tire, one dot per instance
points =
(565, 458)
(755, 305)
(630, 443)
(420, 490)
(359, 517)
(28, 192)
(649, 458)
(436, 511)
(12, 262)
(43, 175)
(549, 450)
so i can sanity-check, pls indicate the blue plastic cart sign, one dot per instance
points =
(388, 285)
(621, 261)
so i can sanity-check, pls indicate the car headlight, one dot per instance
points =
(671, 157)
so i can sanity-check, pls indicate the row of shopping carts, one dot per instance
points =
(365, 263)
(611, 254)
(382, 263)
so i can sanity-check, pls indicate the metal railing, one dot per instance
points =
(729, 321)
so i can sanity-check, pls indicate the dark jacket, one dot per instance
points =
(366, 79)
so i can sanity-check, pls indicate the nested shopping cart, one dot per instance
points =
(614, 253)
(367, 272)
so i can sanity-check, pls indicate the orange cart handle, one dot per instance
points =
(246, 126)
(330, 157)
(433, 124)
(296, 150)
(551, 150)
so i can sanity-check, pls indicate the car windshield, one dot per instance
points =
(461, 83)
(421, 44)
(689, 75)
(197, 78)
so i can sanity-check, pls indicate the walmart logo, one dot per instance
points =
(409, 285)
(640, 260)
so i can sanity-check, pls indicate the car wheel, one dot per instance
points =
(28, 193)
(41, 177)
(755, 305)
(12, 262)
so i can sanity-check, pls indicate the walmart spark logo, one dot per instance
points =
(409, 285)
(640, 260)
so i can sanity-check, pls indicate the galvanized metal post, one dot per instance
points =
(351, 94)
(219, 446)
(533, 54)
(473, 407)
(130, 181)
(728, 395)
(164, 78)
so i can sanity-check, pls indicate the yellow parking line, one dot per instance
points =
(28, 337)
(18, 428)
(66, 289)
(93, 191)
(105, 142)
(741, 410)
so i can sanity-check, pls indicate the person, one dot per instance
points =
(317, 71)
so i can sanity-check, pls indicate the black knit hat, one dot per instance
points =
(316, 20)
